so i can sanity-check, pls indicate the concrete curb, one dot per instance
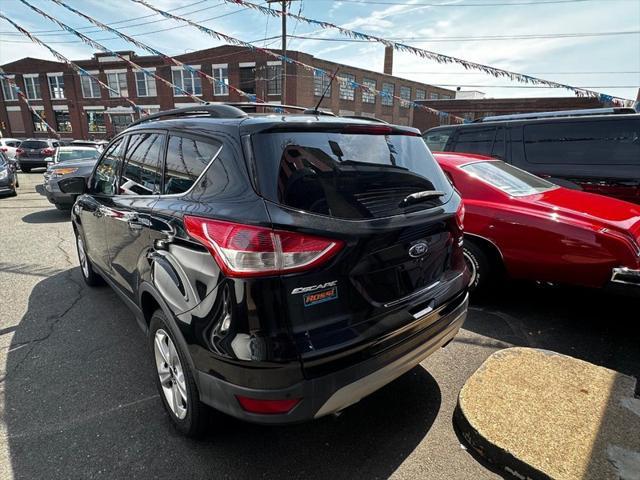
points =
(535, 414)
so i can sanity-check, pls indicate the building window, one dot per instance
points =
(56, 87)
(32, 87)
(445, 97)
(320, 84)
(387, 97)
(63, 121)
(405, 95)
(90, 87)
(95, 122)
(367, 96)
(274, 79)
(38, 125)
(433, 96)
(120, 121)
(347, 91)
(221, 76)
(421, 95)
(145, 84)
(7, 90)
(117, 81)
(248, 79)
(187, 81)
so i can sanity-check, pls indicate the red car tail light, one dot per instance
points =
(4, 149)
(47, 151)
(460, 215)
(19, 151)
(249, 251)
(268, 407)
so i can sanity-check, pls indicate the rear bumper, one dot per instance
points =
(333, 392)
(32, 162)
(625, 281)
(57, 197)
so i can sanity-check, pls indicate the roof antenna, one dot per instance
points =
(315, 111)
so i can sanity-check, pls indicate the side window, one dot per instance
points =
(609, 141)
(437, 140)
(104, 178)
(142, 170)
(186, 160)
(475, 140)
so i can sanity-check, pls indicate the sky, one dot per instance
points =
(451, 27)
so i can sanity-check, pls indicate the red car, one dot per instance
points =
(524, 226)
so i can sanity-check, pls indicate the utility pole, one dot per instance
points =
(283, 94)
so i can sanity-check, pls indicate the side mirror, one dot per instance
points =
(73, 185)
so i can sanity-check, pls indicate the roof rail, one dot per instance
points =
(276, 106)
(218, 110)
(363, 117)
(560, 113)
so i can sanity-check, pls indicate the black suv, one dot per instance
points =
(33, 152)
(595, 150)
(284, 266)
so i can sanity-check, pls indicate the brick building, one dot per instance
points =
(473, 108)
(79, 108)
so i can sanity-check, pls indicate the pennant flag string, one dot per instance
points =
(423, 53)
(166, 58)
(102, 48)
(316, 71)
(24, 98)
(74, 66)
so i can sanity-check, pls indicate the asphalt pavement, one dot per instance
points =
(77, 398)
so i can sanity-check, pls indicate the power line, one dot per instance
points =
(495, 4)
(473, 39)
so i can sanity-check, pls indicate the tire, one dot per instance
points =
(175, 381)
(25, 169)
(89, 275)
(483, 271)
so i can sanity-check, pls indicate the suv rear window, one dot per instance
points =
(596, 142)
(347, 175)
(34, 144)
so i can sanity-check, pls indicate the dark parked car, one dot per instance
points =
(65, 169)
(283, 266)
(597, 151)
(8, 176)
(33, 153)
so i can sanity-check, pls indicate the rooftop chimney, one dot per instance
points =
(388, 60)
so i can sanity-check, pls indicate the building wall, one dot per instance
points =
(300, 88)
(472, 109)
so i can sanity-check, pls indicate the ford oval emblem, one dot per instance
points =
(418, 249)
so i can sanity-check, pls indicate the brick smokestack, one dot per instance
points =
(388, 60)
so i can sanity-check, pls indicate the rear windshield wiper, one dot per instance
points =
(420, 196)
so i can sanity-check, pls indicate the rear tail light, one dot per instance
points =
(4, 149)
(460, 215)
(47, 151)
(268, 407)
(248, 251)
(19, 151)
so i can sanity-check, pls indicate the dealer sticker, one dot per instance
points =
(321, 296)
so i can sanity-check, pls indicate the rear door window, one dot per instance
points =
(614, 141)
(141, 174)
(186, 159)
(437, 139)
(345, 175)
(475, 140)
